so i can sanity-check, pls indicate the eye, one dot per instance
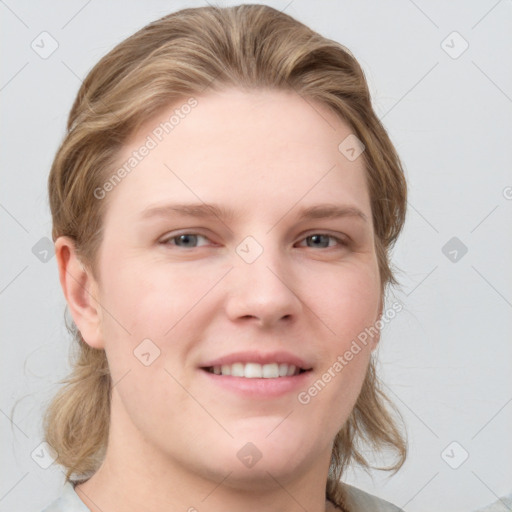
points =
(185, 240)
(192, 240)
(322, 241)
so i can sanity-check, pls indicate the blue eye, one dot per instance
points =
(192, 241)
(322, 241)
(186, 240)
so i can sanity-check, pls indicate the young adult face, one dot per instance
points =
(266, 278)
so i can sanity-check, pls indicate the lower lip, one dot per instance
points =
(258, 387)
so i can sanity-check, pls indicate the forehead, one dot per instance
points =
(241, 148)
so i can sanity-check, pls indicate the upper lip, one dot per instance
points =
(279, 357)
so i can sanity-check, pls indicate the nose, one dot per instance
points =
(262, 292)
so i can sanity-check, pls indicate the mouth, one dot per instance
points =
(254, 370)
(258, 375)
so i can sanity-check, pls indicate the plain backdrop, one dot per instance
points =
(441, 78)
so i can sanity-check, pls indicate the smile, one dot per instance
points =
(256, 370)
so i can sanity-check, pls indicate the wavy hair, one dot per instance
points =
(185, 54)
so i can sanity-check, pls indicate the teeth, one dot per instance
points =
(237, 370)
(270, 371)
(255, 370)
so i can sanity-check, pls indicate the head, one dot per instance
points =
(246, 108)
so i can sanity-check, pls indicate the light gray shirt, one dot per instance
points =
(358, 501)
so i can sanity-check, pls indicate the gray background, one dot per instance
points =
(446, 358)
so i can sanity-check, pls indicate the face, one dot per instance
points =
(236, 269)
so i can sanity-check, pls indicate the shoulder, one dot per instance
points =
(503, 504)
(360, 501)
(68, 501)
(357, 501)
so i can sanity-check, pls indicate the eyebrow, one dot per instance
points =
(204, 210)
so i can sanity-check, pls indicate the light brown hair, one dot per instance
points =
(184, 54)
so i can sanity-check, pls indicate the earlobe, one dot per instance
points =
(80, 291)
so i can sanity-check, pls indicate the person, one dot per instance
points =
(223, 204)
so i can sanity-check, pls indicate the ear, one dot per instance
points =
(81, 292)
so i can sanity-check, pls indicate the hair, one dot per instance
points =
(185, 54)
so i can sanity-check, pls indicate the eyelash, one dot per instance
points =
(340, 241)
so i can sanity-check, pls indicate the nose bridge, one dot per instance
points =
(259, 284)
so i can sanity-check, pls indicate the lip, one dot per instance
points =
(279, 357)
(257, 388)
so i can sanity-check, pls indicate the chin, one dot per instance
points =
(259, 460)
(268, 473)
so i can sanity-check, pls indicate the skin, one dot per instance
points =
(173, 438)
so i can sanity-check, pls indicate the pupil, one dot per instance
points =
(318, 238)
(187, 239)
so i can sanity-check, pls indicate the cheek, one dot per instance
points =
(350, 310)
(346, 300)
(148, 300)
(157, 310)
(348, 303)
